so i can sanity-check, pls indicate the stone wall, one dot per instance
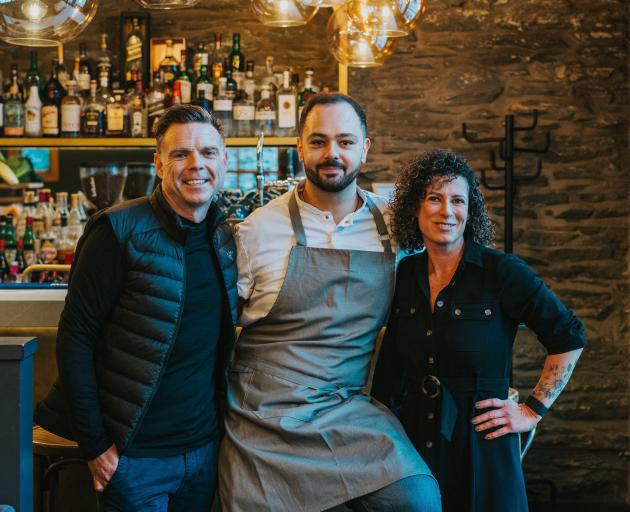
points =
(475, 61)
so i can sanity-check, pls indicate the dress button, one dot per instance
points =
(430, 416)
(458, 312)
(412, 311)
(429, 444)
(439, 303)
(488, 312)
(430, 360)
(429, 332)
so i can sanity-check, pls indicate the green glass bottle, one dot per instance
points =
(236, 59)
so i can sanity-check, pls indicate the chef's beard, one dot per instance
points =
(336, 185)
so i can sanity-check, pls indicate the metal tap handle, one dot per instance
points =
(260, 178)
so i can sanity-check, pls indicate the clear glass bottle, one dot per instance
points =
(33, 112)
(137, 107)
(269, 78)
(244, 114)
(75, 224)
(116, 113)
(14, 113)
(249, 86)
(219, 62)
(287, 107)
(104, 59)
(85, 71)
(265, 113)
(71, 112)
(222, 107)
(169, 64)
(183, 79)
(93, 117)
(60, 210)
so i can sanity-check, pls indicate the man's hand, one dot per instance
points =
(103, 467)
(507, 414)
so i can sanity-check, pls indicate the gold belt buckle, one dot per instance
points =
(433, 380)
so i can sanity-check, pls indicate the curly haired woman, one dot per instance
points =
(445, 362)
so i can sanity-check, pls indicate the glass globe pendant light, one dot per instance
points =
(411, 11)
(354, 48)
(379, 17)
(283, 13)
(166, 4)
(44, 22)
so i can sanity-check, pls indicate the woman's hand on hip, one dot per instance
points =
(506, 414)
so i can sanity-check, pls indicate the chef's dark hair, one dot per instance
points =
(182, 114)
(333, 98)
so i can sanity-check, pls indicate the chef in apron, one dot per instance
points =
(316, 269)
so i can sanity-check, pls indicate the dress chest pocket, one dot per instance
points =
(472, 326)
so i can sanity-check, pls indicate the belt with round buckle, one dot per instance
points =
(431, 386)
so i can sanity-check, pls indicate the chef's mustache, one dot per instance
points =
(331, 163)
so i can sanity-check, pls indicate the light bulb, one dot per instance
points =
(34, 10)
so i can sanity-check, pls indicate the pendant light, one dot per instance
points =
(44, 22)
(378, 17)
(283, 13)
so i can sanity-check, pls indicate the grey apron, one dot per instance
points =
(300, 434)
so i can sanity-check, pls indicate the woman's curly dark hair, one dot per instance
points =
(411, 189)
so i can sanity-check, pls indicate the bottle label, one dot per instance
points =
(286, 111)
(84, 81)
(222, 105)
(115, 118)
(50, 120)
(206, 88)
(244, 112)
(14, 131)
(48, 252)
(71, 118)
(186, 90)
(33, 124)
(29, 257)
(265, 115)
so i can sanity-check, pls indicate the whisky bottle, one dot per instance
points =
(71, 112)
(116, 113)
(236, 59)
(137, 112)
(203, 82)
(85, 71)
(155, 102)
(183, 79)
(104, 59)
(169, 64)
(133, 50)
(93, 122)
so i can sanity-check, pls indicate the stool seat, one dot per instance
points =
(47, 444)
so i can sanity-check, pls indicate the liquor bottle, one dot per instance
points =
(265, 113)
(202, 101)
(61, 210)
(33, 75)
(197, 59)
(33, 111)
(104, 95)
(116, 112)
(133, 75)
(104, 59)
(14, 79)
(4, 266)
(39, 226)
(10, 239)
(222, 107)
(169, 64)
(14, 113)
(62, 73)
(133, 50)
(155, 102)
(1, 114)
(183, 79)
(75, 224)
(137, 107)
(231, 87)
(236, 59)
(71, 112)
(250, 88)
(3, 227)
(29, 242)
(53, 81)
(93, 118)
(244, 114)
(269, 78)
(287, 107)
(65, 245)
(20, 258)
(27, 211)
(306, 93)
(203, 82)
(85, 71)
(219, 62)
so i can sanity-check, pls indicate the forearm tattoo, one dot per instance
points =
(552, 382)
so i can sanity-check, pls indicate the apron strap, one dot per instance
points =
(296, 221)
(381, 227)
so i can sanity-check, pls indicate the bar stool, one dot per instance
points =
(56, 453)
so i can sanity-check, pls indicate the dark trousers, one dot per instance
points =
(183, 483)
(418, 493)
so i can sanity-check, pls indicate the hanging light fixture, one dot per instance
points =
(166, 4)
(378, 17)
(412, 11)
(354, 48)
(323, 3)
(283, 13)
(44, 22)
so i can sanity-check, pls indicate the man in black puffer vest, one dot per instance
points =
(148, 328)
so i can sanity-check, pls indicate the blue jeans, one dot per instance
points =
(418, 493)
(181, 483)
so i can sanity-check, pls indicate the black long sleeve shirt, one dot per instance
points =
(182, 414)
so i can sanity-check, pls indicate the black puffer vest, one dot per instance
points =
(137, 339)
